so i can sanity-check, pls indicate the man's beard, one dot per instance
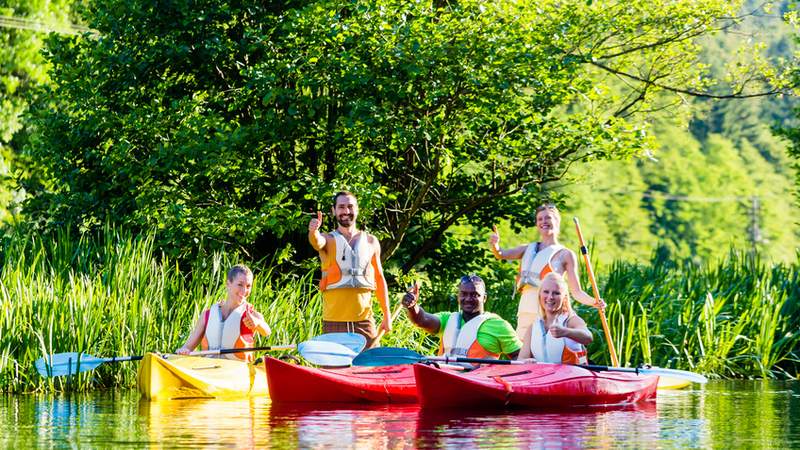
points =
(341, 220)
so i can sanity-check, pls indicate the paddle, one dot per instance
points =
(388, 356)
(353, 341)
(392, 317)
(585, 253)
(326, 349)
(329, 355)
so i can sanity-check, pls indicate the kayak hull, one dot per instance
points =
(539, 386)
(670, 383)
(178, 377)
(295, 383)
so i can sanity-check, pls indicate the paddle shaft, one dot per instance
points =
(389, 356)
(459, 359)
(123, 358)
(697, 378)
(226, 351)
(597, 368)
(394, 315)
(223, 351)
(590, 272)
(71, 363)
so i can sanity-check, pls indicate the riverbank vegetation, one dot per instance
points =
(212, 131)
(117, 295)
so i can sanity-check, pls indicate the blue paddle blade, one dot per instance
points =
(353, 341)
(324, 353)
(62, 364)
(387, 356)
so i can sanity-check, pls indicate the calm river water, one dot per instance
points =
(737, 414)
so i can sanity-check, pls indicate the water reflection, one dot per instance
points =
(393, 427)
(206, 422)
(722, 415)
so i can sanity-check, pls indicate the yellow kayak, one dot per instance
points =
(177, 376)
(672, 383)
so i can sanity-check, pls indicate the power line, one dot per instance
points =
(22, 23)
(685, 198)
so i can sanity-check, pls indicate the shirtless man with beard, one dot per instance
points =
(351, 272)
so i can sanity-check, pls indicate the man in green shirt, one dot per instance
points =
(471, 332)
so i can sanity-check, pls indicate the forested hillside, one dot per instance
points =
(719, 177)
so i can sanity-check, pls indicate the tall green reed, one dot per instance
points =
(114, 295)
(737, 318)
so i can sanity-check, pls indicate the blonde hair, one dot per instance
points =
(549, 207)
(566, 302)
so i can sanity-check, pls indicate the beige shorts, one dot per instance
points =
(365, 328)
(525, 323)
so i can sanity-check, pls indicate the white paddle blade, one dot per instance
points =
(62, 364)
(675, 373)
(324, 353)
(353, 341)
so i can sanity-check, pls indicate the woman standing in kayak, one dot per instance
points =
(230, 323)
(537, 259)
(560, 336)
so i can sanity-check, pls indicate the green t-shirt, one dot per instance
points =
(495, 335)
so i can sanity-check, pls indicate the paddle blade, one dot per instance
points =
(387, 356)
(323, 353)
(62, 364)
(353, 341)
(675, 373)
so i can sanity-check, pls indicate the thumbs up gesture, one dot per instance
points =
(410, 299)
(315, 222)
(494, 238)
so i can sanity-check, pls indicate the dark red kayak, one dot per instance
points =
(295, 383)
(531, 386)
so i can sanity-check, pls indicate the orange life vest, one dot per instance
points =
(535, 265)
(458, 340)
(228, 333)
(349, 267)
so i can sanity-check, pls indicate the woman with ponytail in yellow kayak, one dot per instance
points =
(231, 323)
(537, 259)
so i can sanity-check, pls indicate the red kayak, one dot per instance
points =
(530, 386)
(295, 383)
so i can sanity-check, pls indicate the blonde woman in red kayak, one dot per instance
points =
(560, 336)
(537, 259)
(231, 323)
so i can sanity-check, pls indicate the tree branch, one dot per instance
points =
(736, 94)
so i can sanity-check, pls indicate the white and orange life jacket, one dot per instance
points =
(462, 341)
(535, 265)
(549, 349)
(228, 333)
(352, 266)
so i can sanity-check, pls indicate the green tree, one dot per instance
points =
(22, 69)
(224, 122)
(701, 192)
